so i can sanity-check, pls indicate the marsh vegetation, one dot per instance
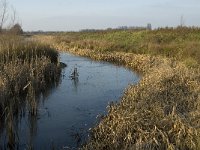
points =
(162, 111)
(26, 70)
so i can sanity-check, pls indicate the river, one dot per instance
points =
(68, 111)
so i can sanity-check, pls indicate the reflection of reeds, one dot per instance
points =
(27, 69)
(10, 128)
(162, 110)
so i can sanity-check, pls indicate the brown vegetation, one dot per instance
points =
(26, 70)
(163, 110)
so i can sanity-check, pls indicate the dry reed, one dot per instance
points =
(26, 70)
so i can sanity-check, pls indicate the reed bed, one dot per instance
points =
(27, 69)
(161, 112)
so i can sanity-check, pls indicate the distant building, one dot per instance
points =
(149, 26)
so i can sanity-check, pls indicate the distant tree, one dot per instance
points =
(8, 19)
(16, 29)
(3, 13)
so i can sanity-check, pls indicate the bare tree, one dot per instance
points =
(13, 16)
(6, 12)
(3, 12)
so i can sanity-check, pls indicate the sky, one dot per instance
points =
(74, 15)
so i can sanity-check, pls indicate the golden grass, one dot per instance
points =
(161, 112)
(25, 64)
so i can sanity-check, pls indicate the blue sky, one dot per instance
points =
(65, 15)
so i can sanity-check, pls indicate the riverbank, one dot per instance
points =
(160, 112)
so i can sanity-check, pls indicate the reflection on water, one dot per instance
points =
(17, 113)
(65, 113)
(75, 84)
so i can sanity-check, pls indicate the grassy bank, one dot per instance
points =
(162, 111)
(26, 70)
(182, 43)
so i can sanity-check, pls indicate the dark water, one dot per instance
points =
(70, 109)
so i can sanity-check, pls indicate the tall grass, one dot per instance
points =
(27, 69)
(163, 110)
